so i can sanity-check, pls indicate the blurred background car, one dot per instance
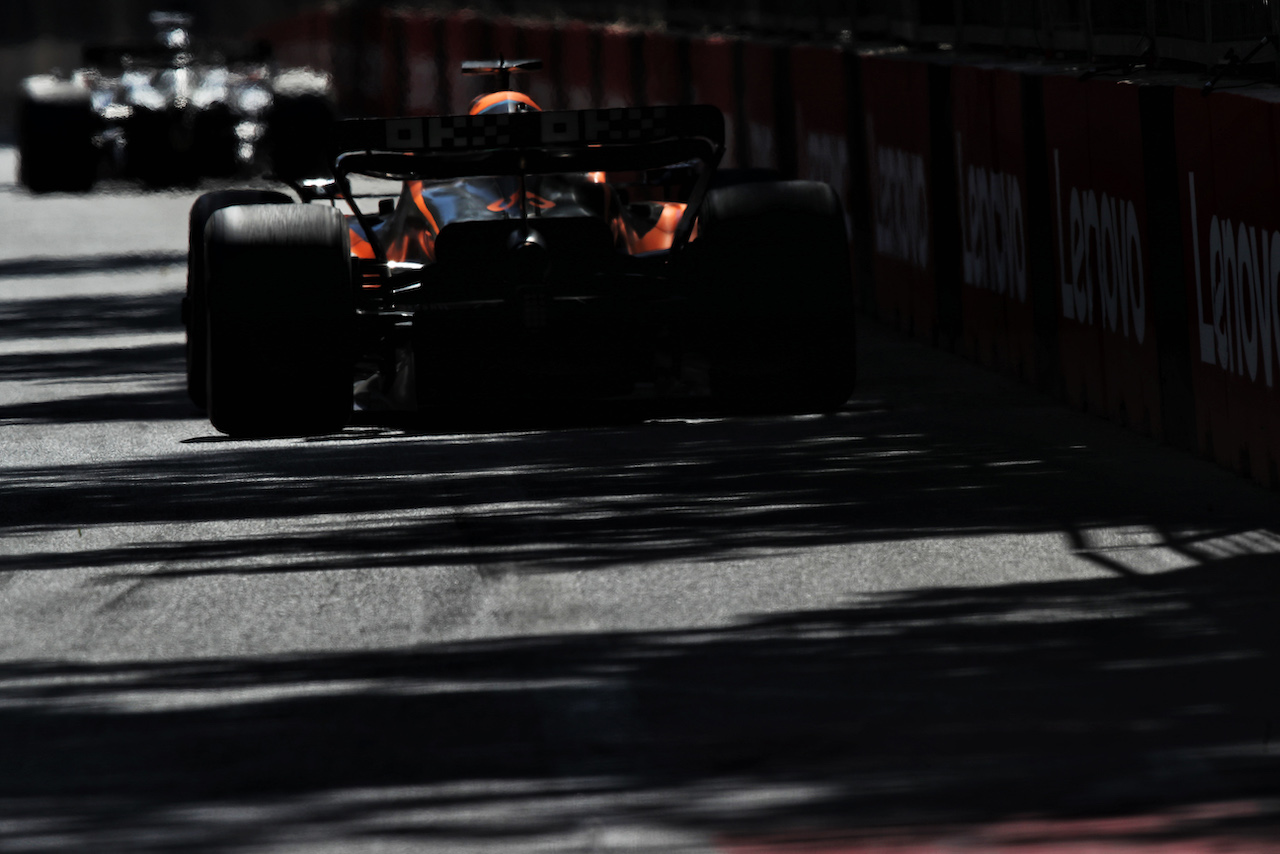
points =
(171, 112)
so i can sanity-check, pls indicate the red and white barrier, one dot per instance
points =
(538, 40)
(663, 67)
(424, 71)
(1231, 248)
(577, 65)
(465, 37)
(991, 177)
(304, 41)
(617, 74)
(1106, 335)
(759, 100)
(505, 41)
(895, 95)
(712, 82)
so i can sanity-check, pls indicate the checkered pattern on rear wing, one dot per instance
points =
(550, 130)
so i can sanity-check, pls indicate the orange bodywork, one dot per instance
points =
(659, 236)
(531, 199)
(493, 99)
(417, 244)
(417, 235)
(360, 247)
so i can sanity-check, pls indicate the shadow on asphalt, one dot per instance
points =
(920, 707)
(611, 493)
(65, 265)
(83, 316)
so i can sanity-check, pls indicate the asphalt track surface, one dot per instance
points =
(953, 616)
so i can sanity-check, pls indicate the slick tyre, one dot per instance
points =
(56, 126)
(777, 307)
(194, 304)
(281, 316)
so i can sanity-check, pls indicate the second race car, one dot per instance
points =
(171, 112)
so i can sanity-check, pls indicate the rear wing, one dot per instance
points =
(529, 143)
(532, 143)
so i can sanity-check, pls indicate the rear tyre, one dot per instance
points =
(281, 314)
(778, 308)
(194, 305)
(56, 126)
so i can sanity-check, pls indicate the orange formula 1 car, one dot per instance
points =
(520, 256)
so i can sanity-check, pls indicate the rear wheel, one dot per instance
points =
(56, 125)
(281, 315)
(194, 310)
(777, 309)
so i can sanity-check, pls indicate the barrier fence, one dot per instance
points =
(1197, 32)
(1200, 32)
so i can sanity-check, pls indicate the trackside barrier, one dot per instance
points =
(425, 82)
(504, 35)
(1127, 331)
(384, 53)
(1167, 274)
(666, 68)
(1011, 250)
(761, 70)
(989, 211)
(1067, 145)
(362, 53)
(466, 36)
(395, 64)
(997, 322)
(1107, 338)
(820, 117)
(1042, 283)
(305, 41)
(895, 97)
(541, 40)
(1231, 250)
(712, 81)
(576, 65)
(943, 207)
(620, 67)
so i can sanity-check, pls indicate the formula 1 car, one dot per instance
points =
(529, 256)
(170, 113)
